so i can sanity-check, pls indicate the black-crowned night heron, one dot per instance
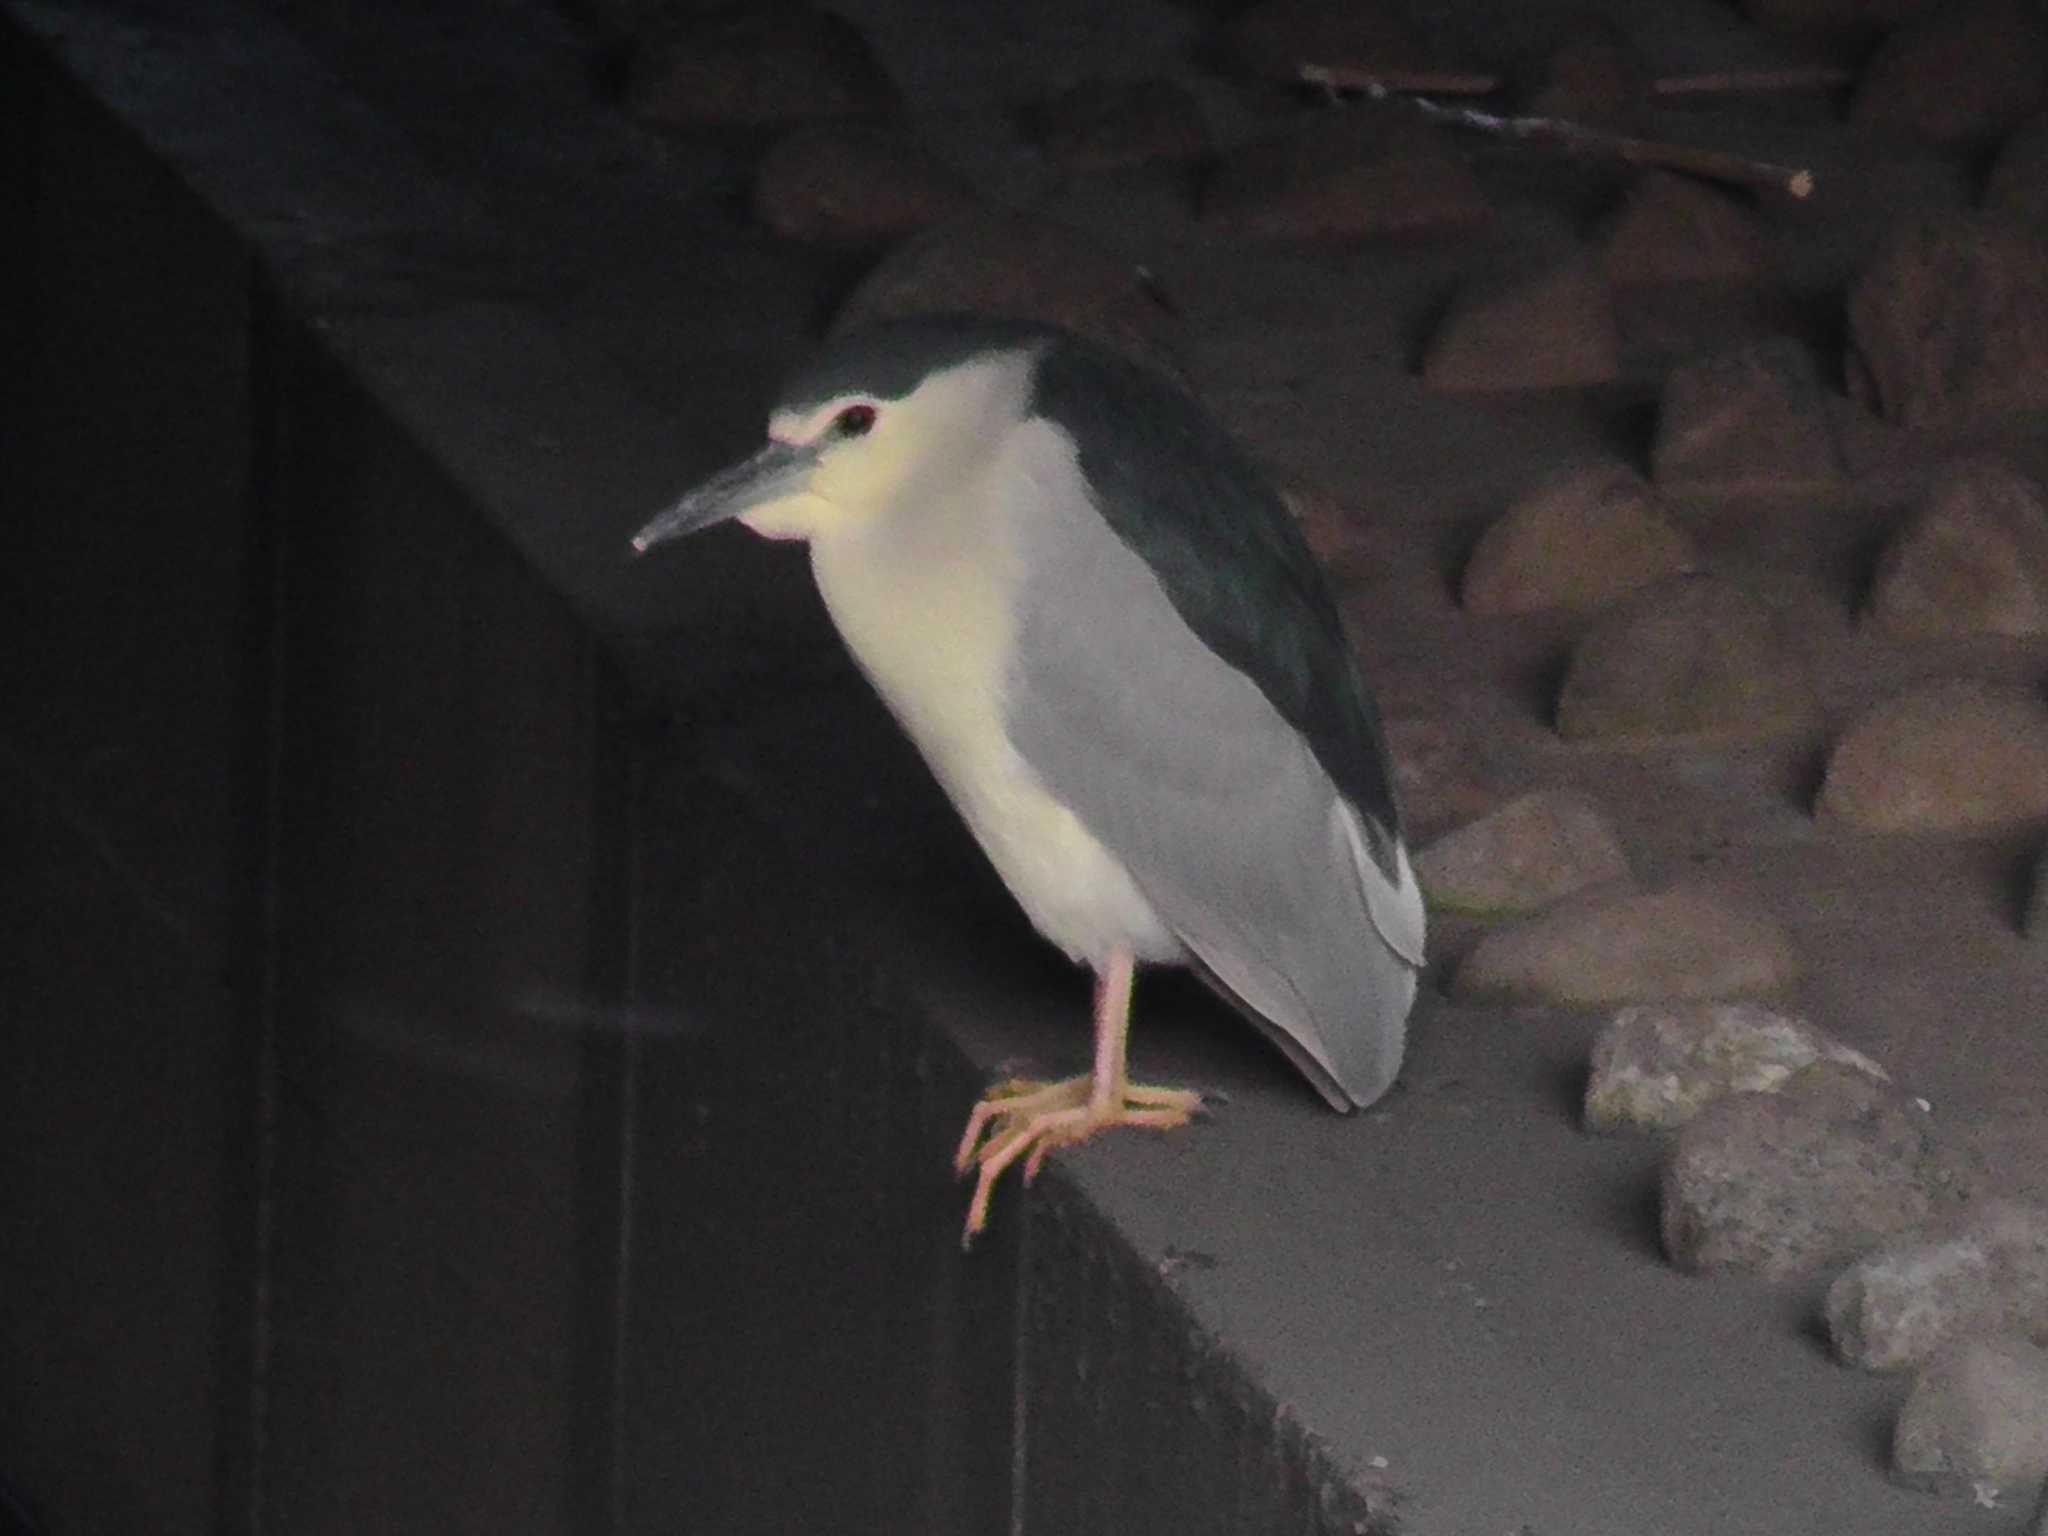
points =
(1106, 635)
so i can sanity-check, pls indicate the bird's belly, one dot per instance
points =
(941, 676)
(1074, 890)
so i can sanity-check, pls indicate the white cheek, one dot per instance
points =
(793, 517)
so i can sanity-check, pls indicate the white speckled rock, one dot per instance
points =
(1656, 1065)
(1987, 1272)
(1976, 1420)
(1778, 1184)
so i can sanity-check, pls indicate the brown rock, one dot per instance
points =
(1580, 540)
(1538, 330)
(753, 65)
(1100, 125)
(1017, 267)
(1681, 943)
(1976, 1420)
(1673, 229)
(852, 186)
(1776, 1184)
(1529, 854)
(1751, 419)
(1447, 771)
(1275, 39)
(1657, 1065)
(1592, 77)
(2018, 184)
(1956, 756)
(1957, 75)
(1691, 658)
(1974, 559)
(1950, 324)
(1342, 177)
(1983, 1272)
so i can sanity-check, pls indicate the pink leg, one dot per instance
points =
(1024, 1119)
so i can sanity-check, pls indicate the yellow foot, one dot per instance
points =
(1026, 1118)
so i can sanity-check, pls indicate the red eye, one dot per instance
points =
(854, 420)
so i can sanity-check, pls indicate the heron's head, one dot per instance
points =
(883, 424)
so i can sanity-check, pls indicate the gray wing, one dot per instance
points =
(1185, 771)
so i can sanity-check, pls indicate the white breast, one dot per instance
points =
(925, 607)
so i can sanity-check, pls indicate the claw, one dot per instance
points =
(1008, 1125)
(1023, 1117)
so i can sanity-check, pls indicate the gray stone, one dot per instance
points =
(1657, 1065)
(1691, 659)
(1776, 1184)
(1949, 325)
(1342, 177)
(1018, 267)
(1954, 756)
(1974, 559)
(1101, 125)
(1958, 76)
(1529, 854)
(1754, 418)
(1976, 1421)
(1579, 540)
(1542, 330)
(1681, 943)
(1673, 229)
(1986, 1272)
(854, 186)
(754, 65)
